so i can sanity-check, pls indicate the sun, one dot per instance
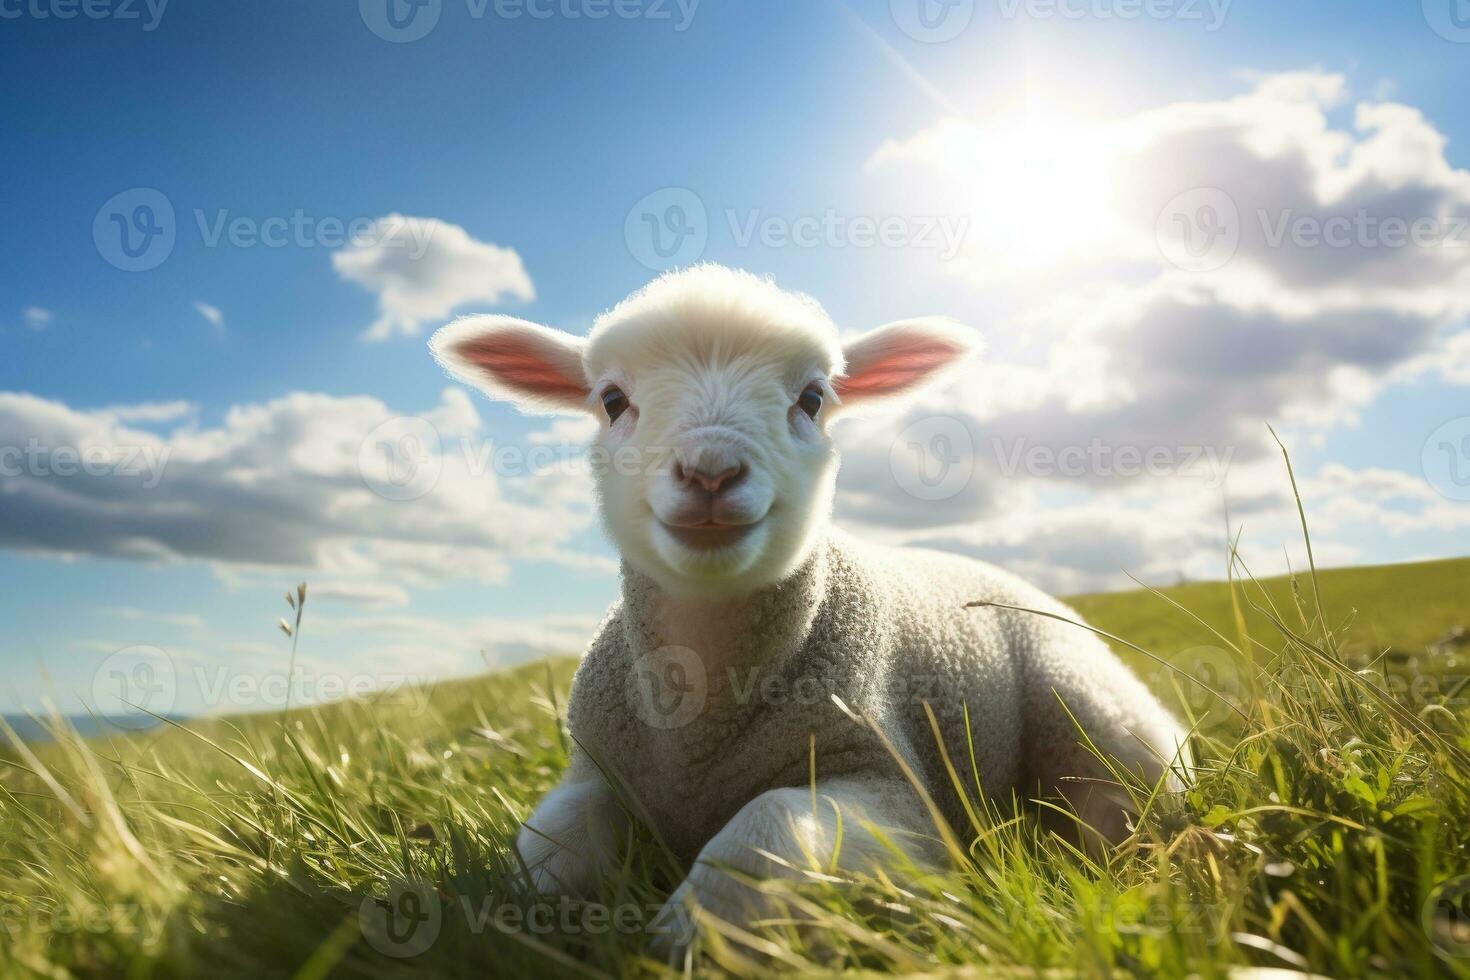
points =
(1036, 189)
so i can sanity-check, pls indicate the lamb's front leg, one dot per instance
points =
(571, 837)
(782, 823)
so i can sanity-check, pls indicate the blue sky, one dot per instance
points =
(536, 136)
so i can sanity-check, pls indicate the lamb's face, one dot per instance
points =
(714, 393)
(714, 466)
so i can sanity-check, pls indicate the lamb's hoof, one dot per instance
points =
(708, 895)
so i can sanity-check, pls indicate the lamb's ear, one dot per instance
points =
(535, 368)
(901, 357)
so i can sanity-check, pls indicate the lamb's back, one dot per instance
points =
(970, 665)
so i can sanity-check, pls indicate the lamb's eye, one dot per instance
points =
(614, 402)
(810, 401)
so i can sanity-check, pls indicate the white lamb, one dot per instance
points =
(745, 618)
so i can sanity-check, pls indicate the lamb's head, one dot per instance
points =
(715, 392)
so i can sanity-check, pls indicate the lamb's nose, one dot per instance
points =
(710, 481)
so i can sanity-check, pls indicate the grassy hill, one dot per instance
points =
(1326, 833)
(1406, 608)
(1409, 623)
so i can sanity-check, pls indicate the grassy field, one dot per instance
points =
(1404, 622)
(1326, 832)
(1404, 608)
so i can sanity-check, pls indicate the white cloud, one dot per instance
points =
(1126, 351)
(1324, 216)
(575, 431)
(1170, 529)
(1396, 501)
(1450, 361)
(213, 315)
(37, 318)
(182, 620)
(422, 269)
(149, 412)
(301, 485)
(492, 639)
(372, 595)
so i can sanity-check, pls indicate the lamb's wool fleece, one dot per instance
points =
(759, 696)
(884, 630)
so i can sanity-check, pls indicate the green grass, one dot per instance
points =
(1401, 607)
(1320, 834)
(1400, 621)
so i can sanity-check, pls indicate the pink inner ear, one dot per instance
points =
(523, 364)
(896, 368)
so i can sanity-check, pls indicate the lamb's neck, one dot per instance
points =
(762, 628)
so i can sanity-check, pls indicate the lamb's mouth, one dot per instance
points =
(710, 535)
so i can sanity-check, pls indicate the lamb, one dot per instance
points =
(754, 641)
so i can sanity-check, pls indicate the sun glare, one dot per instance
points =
(1038, 189)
